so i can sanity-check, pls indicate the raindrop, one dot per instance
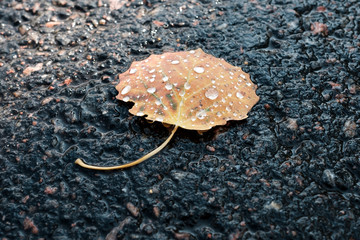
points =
(218, 114)
(239, 95)
(152, 70)
(152, 79)
(182, 93)
(243, 76)
(168, 86)
(157, 102)
(151, 90)
(187, 86)
(201, 115)
(126, 99)
(193, 119)
(192, 51)
(126, 90)
(211, 93)
(175, 62)
(199, 69)
(249, 84)
(228, 109)
(159, 119)
(132, 71)
(140, 114)
(165, 78)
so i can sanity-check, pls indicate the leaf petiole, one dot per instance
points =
(136, 162)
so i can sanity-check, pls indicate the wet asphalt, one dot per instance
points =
(291, 170)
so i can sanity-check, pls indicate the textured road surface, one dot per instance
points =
(289, 171)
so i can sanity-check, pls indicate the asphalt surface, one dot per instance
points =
(291, 170)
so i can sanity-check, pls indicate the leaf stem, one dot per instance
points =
(136, 162)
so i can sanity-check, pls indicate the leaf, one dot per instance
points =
(191, 90)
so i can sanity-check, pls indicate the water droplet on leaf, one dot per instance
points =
(199, 69)
(151, 90)
(126, 90)
(211, 93)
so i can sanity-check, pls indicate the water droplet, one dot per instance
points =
(165, 78)
(152, 79)
(213, 81)
(211, 93)
(182, 93)
(157, 102)
(201, 114)
(192, 51)
(140, 114)
(126, 90)
(249, 84)
(243, 76)
(193, 119)
(218, 114)
(246, 106)
(151, 90)
(132, 71)
(126, 99)
(216, 104)
(175, 62)
(199, 69)
(235, 114)
(228, 109)
(187, 86)
(168, 86)
(185, 60)
(229, 95)
(159, 119)
(239, 95)
(152, 70)
(231, 73)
